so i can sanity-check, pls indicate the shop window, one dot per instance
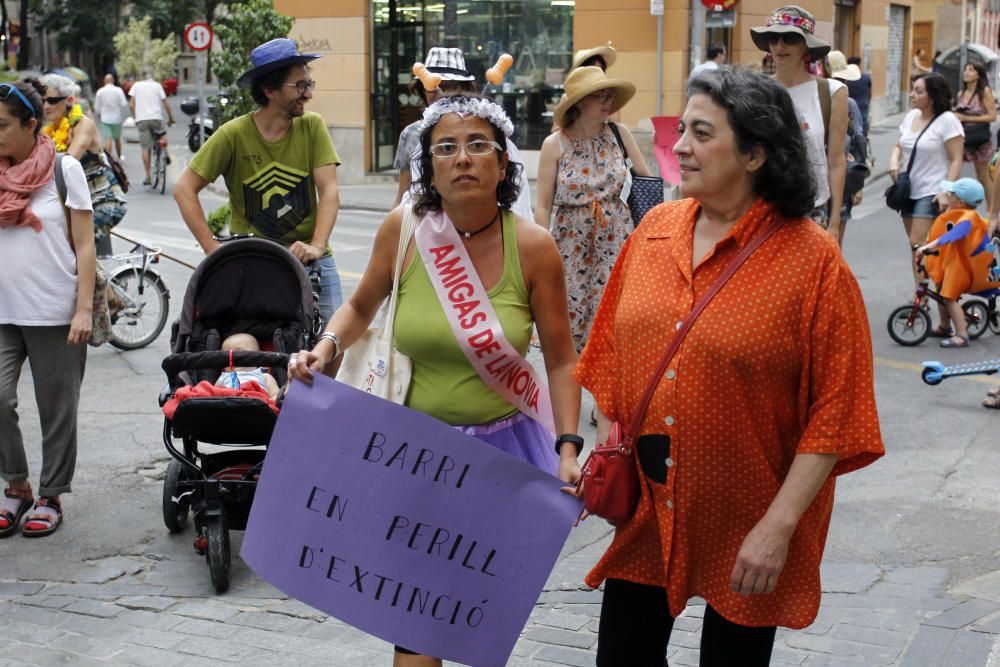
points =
(537, 33)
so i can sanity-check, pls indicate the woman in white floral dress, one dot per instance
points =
(582, 173)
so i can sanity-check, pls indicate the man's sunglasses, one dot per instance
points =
(55, 100)
(6, 89)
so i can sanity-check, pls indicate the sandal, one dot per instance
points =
(992, 401)
(13, 506)
(45, 518)
(938, 332)
(950, 342)
(994, 392)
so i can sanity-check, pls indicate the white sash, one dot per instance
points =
(474, 322)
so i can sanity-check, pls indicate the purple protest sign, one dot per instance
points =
(402, 526)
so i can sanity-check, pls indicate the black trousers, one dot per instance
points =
(635, 629)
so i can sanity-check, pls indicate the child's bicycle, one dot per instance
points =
(141, 301)
(911, 324)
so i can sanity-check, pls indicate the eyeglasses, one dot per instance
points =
(789, 38)
(476, 148)
(10, 88)
(55, 100)
(303, 86)
(603, 95)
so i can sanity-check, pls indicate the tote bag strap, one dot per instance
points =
(405, 234)
(678, 338)
(621, 144)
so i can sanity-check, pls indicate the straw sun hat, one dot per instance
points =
(608, 53)
(791, 19)
(839, 69)
(585, 81)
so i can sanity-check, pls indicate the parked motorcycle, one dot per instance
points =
(210, 119)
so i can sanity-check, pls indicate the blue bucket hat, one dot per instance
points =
(273, 55)
(968, 190)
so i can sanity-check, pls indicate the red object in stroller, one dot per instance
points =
(251, 286)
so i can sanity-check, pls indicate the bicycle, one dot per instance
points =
(159, 160)
(911, 324)
(140, 301)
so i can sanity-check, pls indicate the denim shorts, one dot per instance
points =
(920, 208)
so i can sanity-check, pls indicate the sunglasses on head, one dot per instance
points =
(789, 38)
(7, 89)
(55, 100)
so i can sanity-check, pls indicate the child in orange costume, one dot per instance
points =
(965, 262)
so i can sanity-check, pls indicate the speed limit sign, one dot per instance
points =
(198, 36)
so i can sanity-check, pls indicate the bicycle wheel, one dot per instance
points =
(993, 319)
(909, 327)
(218, 553)
(977, 317)
(161, 170)
(154, 159)
(147, 306)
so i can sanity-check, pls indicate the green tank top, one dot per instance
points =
(444, 385)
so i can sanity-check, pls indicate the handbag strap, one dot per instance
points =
(405, 234)
(678, 338)
(621, 144)
(913, 153)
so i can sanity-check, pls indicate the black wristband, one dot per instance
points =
(569, 437)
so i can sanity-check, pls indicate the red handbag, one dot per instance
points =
(609, 478)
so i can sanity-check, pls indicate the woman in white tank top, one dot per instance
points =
(788, 36)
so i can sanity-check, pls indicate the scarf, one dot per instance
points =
(19, 181)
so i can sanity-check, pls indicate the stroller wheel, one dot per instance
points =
(218, 555)
(176, 503)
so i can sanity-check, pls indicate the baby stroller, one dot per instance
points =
(247, 285)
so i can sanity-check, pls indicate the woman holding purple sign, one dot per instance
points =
(476, 269)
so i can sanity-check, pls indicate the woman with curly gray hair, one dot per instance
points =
(750, 424)
(469, 249)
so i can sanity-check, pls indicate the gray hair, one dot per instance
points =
(61, 84)
(761, 113)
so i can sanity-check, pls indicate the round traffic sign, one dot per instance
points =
(719, 5)
(198, 36)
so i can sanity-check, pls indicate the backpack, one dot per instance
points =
(858, 152)
(117, 169)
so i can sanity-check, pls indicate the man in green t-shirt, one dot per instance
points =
(279, 165)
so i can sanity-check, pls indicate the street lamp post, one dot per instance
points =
(963, 57)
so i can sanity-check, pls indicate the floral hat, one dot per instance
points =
(791, 19)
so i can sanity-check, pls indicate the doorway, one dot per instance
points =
(398, 42)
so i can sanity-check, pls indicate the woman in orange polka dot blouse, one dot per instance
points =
(769, 398)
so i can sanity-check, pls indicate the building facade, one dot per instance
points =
(371, 45)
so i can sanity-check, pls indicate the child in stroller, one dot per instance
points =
(965, 264)
(236, 377)
(250, 293)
